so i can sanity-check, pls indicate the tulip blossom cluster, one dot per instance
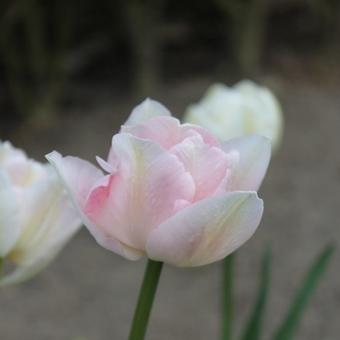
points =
(236, 111)
(170, 191)
(36, 216)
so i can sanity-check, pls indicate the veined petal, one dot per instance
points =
(254, 156)
(79, 178)
(165, 131)
(142, 194)
(78, 175)
(207, 137)
(47, 219)
(147, 109)
(208, 165)
(51, 222)
(206, 231)
(9, 222)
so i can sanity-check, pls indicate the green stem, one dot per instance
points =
(145, 300)
(227, 301)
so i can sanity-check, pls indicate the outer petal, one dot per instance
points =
(254, 156)
(9, 222)
(79, 177)
(206, 231)
(21, 170)
(49, 221)
(147, 109)
(143, 192)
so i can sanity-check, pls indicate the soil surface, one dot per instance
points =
(89, 293)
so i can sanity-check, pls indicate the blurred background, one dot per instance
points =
(70, 73)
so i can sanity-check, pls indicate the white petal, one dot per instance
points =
(254, 156)
(9, 222)
(52, 223)
(263, 110)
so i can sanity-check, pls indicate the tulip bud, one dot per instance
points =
(243, 109)
(36, 216)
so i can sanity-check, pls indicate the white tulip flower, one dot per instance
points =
(246, 108)
(36, 216)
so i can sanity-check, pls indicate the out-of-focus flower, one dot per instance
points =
(170, 191)
(36, 216)
(237, 111)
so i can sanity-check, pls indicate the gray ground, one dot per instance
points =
(89, 293)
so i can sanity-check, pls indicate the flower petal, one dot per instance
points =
(21, 170)
(264, 111)
(207, 165)
(207, 137)
(220, 111)
(206, 231)
(147, 109)
(49, 221)
(47, 218)
(165, 131)
(9, 222)
(142, 194)
(79, 177)
(254, 156)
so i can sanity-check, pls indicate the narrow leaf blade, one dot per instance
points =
(293, 317)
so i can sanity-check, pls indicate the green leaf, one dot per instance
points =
(254, 325)
(291, 322)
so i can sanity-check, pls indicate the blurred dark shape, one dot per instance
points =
(142, 22)
(246, 22)
(39, 54)
(33, 43)
(48, 48)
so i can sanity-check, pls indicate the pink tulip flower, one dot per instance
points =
(168, 190)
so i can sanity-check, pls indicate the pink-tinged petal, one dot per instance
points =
(164, 131)
(206, 231)
(106, 166)
(208, 138)
(168, 131)
(79, 177)
(254, 155)
(142, 194)
(208, 165)
(9, 222)
(146, 110)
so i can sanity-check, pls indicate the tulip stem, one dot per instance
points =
(145, 300)
(227, 298)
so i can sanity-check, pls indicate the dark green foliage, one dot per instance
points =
(294, 315)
